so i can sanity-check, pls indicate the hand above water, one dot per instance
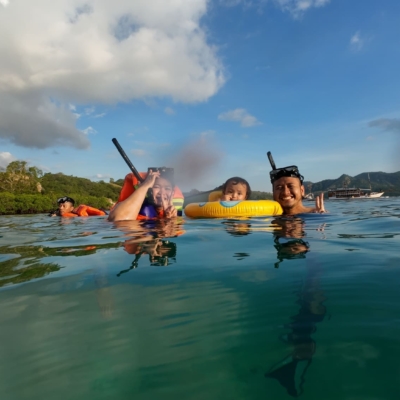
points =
(150, 179)
(319, 204)
(169, 209)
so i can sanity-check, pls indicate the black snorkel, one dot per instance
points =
(271, 160)
(127, 160)
(290, 171)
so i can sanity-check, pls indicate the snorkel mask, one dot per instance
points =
(277, 173)
(64, 199)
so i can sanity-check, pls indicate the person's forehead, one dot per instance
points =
(162, 181)
(236, 184)
(287, 180)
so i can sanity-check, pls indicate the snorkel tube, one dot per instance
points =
(271, 160)
(127, 160)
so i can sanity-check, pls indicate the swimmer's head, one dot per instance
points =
(277, 173)
(235, 189)
(65, 205)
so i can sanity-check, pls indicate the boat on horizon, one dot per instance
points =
(353, 193)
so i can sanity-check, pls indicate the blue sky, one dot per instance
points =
(205, 86)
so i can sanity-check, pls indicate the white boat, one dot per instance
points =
(352, 193)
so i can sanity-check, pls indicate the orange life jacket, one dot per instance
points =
(84, 211)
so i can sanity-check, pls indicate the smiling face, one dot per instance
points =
(289, 192)
(234, 192)
(162, 191)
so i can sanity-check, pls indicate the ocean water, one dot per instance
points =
(261, 308)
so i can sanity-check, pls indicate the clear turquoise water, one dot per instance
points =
(253, 309)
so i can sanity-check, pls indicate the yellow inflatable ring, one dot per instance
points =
(231, 209)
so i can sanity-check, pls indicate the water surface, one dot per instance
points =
(219, 309)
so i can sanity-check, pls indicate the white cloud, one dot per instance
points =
(356, 41)
(169, 111)
(4, 3)
(240, 115)
(101, 115)
(298, 7)
(6, 158)
(89, 131)
(102, 176)
(102, 52)
(139, 152)
(90, 110)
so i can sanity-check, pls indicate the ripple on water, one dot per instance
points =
(200, 309)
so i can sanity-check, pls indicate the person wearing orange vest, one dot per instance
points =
(65, 206)
(152, 199)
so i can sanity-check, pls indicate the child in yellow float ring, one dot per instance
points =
(235, 189)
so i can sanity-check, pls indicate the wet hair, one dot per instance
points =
(236, 180)
(66, 199)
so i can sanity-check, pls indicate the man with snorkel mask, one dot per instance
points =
(288, 190)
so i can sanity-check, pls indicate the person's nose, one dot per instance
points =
(286, 190)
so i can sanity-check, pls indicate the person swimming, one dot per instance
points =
(151, 200)
(288, 190)
(65, 205)
(235, 189)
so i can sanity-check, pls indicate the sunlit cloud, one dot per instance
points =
(6, 158)
(89, 131)
(98, 53)
(240, 115)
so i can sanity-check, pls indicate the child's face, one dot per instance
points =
(234, 192)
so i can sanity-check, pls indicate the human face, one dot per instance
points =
(162, 191)
(65, 207)
(288, 192)
(234, 192)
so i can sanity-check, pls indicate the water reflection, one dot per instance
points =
(291, 370)
(23, 263)
(149, 237)
(237, 227)
(161, 252)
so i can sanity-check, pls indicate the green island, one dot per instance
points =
(27, 190)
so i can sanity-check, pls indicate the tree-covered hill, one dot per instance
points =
(380, 181)
(64, 184)
(25, 190)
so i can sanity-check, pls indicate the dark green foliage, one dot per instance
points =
(64, 185)
(257, 195)
(38, 203)
(380, 181)
(25, 190)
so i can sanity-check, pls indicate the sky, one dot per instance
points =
(204, 86)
